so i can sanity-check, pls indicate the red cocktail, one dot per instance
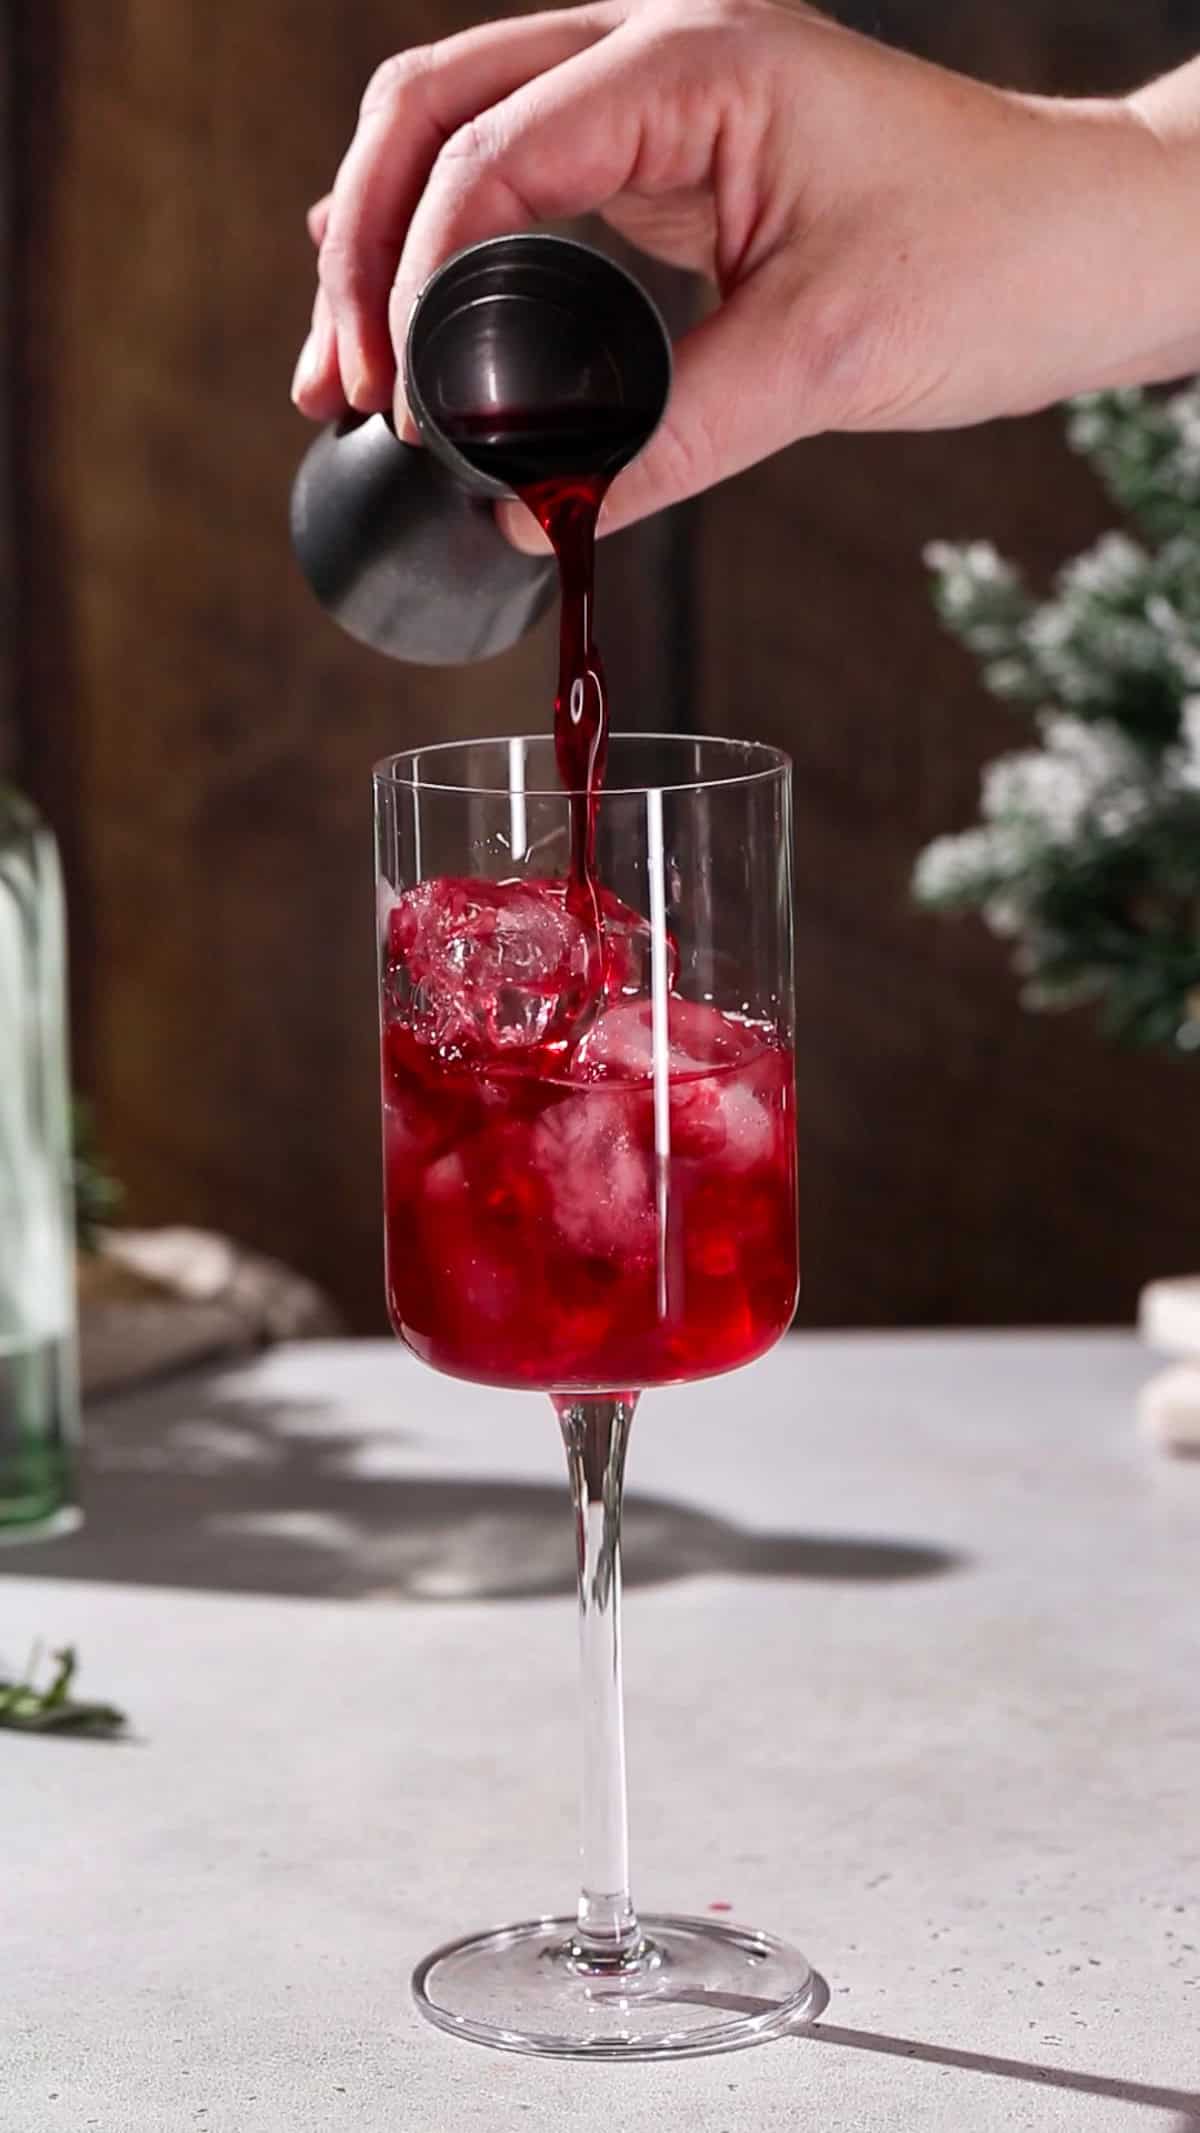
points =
(554, 1219)
(590, 1188)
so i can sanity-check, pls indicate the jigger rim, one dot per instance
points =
(531, 242)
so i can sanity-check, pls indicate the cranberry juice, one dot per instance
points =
(537, 1236)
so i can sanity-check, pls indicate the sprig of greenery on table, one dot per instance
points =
(25, 1708)
(1087, 854)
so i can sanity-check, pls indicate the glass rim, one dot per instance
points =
(769, 762)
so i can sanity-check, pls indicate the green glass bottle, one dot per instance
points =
(39, 1399)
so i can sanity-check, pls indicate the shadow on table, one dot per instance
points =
(1111, 2087)
(260, 1496)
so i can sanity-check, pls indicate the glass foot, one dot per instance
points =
(51, 1525)
(696, 1986)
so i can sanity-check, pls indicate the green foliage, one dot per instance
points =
(1146, 450)
(1087, 854)
(98, 1194)
(25, 1708)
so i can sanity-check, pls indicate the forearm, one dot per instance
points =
(1081, 271)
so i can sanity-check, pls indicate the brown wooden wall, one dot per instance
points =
(202, 738)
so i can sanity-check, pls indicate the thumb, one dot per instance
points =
(746, 384)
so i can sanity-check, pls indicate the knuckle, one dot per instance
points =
(393, 79)
(480, 161)
(698, 20)
(473, 145)
(719, 16)
(698, 58)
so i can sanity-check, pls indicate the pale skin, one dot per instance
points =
(891, 246)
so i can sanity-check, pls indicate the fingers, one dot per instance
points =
(563, 145)
(413, 105)
(745, 385)
(317, 383)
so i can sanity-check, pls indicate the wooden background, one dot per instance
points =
(201, 737)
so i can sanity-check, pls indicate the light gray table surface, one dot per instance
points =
(913, 1669)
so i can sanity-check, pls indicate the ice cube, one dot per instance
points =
(720, 1120)
(619, 1046)
(491, 966)
(713, 1063)
(593, 1152)
(628, 950)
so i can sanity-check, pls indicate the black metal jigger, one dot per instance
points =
(526, 358)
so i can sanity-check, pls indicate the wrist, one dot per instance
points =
(1154, 290)
(1110, 282)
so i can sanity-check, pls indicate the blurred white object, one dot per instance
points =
(1169, 1316)
(154, 1301)
(1169, 1406)
(1169, 1409)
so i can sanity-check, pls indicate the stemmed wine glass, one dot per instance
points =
(590, 1189)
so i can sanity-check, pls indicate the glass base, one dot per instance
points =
(695, 1986)
(43, 1526)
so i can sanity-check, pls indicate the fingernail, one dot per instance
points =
(604, 521)
(402, 422)
(306, 367)
(358, 385)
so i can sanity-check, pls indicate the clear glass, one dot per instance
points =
(590, 1188)
(39, 1412)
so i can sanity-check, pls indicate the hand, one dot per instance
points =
(893, 246)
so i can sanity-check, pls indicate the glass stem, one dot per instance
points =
(596, 1433)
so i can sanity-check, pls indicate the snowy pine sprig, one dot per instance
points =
(1146, 450)
(1119, 638)
(1087, 852)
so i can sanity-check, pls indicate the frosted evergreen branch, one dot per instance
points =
(1086, 854)
(1146, 450)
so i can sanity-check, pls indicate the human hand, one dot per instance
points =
(893, 246)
